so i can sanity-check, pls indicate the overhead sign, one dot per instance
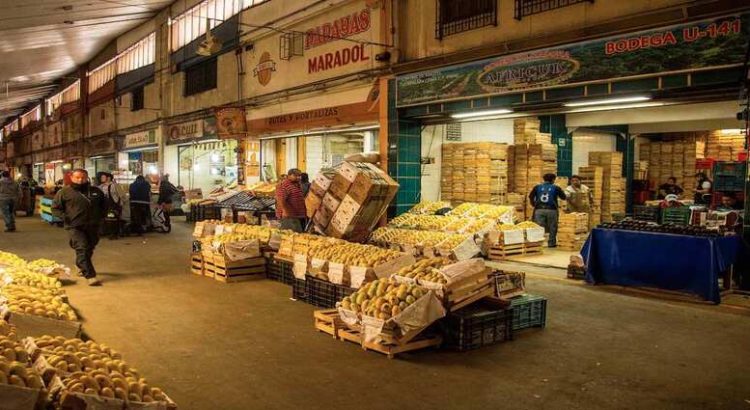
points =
(101, 145)
(693, 46)
(230, 122)
(191, 131)
(338, 42)
(140, 139)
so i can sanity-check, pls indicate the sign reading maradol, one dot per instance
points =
(699, 45)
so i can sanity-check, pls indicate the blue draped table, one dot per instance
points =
(666, 261)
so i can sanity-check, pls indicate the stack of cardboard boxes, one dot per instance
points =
(475, 172)
(593, 178)
(572, 230)
(613, 184)
(348, 202)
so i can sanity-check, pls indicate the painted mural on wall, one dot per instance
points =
(694, 46)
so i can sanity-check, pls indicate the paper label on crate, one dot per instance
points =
(358, 275)
(198, 230)
(319, 265)
(299, 270)
(219, 230)
(466, 250)
(513, 237)
(404, 279)
(386, 269)
(420, 314)
(348, 317)
(429, 252)
(534, 234)
(372, 328)
(336, 273)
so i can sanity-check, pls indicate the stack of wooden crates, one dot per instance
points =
(723, 146)
(676, 158)
(533, 156)
(572, 230)
(593, 178)
(613, 184)
(475, 172)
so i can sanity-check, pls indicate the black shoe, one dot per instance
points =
(80, 273)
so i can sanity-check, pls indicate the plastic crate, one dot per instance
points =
(484, 323)
(729, 169)
(299, 290)
(725, 183)
(646, 213)
(320, 293)
(529, 311)
(273, 271)
(677, 216)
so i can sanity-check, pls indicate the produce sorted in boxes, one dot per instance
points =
(527, 225)
(423, 222)
(14, 368)
(429, 207)
(420, 268)
(475, 210)
(387, 236)
(469, 225)
(38, 302)
(7, 330)
(353, 254)
(95, 369)
(382, 298)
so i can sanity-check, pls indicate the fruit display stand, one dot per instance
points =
(223, 269)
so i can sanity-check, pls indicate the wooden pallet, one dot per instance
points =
(500, 252)
(468, 290)
(196, 264)
(328, 321)
(223, 270)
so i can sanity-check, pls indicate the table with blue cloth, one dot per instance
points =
(684, 263)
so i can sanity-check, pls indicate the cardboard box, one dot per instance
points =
(312, 203)
(339, 186)
(323, 217)
(330, 202)
(320, 184)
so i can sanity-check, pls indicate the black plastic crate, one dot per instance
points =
(273, 270)
(484, 323)
(320, 293)
(287, 275)
(299, 290)
(529, 311)
(343, 291)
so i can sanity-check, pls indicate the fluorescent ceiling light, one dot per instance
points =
(731, 131)
(617, 107)
(484, 113)
(617, 100)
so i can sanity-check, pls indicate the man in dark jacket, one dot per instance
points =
(544, 199)
(140, 204)
(9, 196)
(81, 207)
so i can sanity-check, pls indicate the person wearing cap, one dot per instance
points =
(290, 202)
(671, 201)
(670, 188)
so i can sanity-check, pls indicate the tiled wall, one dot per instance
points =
(404, 152)
(555, 125)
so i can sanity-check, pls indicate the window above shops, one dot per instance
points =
(69, 94)
(139, 55)
(200, 77)
(457, 16)
(34, 115)
(529, 7)
(192, 23)
(9, 128)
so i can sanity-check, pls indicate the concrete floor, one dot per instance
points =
(211, 345)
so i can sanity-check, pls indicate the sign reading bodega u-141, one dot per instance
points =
(694, 46)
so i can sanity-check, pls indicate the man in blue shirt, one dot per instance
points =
(544, 199)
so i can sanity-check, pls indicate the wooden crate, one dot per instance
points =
(533, 248)
(196, 263)
(500, 252)
(328, 321)
(221, 269)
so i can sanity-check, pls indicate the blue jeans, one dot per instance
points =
(8, 207)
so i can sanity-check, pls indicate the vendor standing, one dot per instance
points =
(544, 199)
(290, 201)
(670, 188)
(580, 197)
(703, 189)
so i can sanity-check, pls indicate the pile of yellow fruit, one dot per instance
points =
(37, 301)
(469, 225)
(429, 207)
(527, 225)
(26, 277)
(386, 236)
(353, 254)
(508, 227)
(7, 330)
(382, 298)
(14, 361)
(95, 369)
(475, 210)
(426, 269)
(11, 259)
(39, 264)
(423, 222)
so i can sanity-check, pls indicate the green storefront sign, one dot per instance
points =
(706, 44)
